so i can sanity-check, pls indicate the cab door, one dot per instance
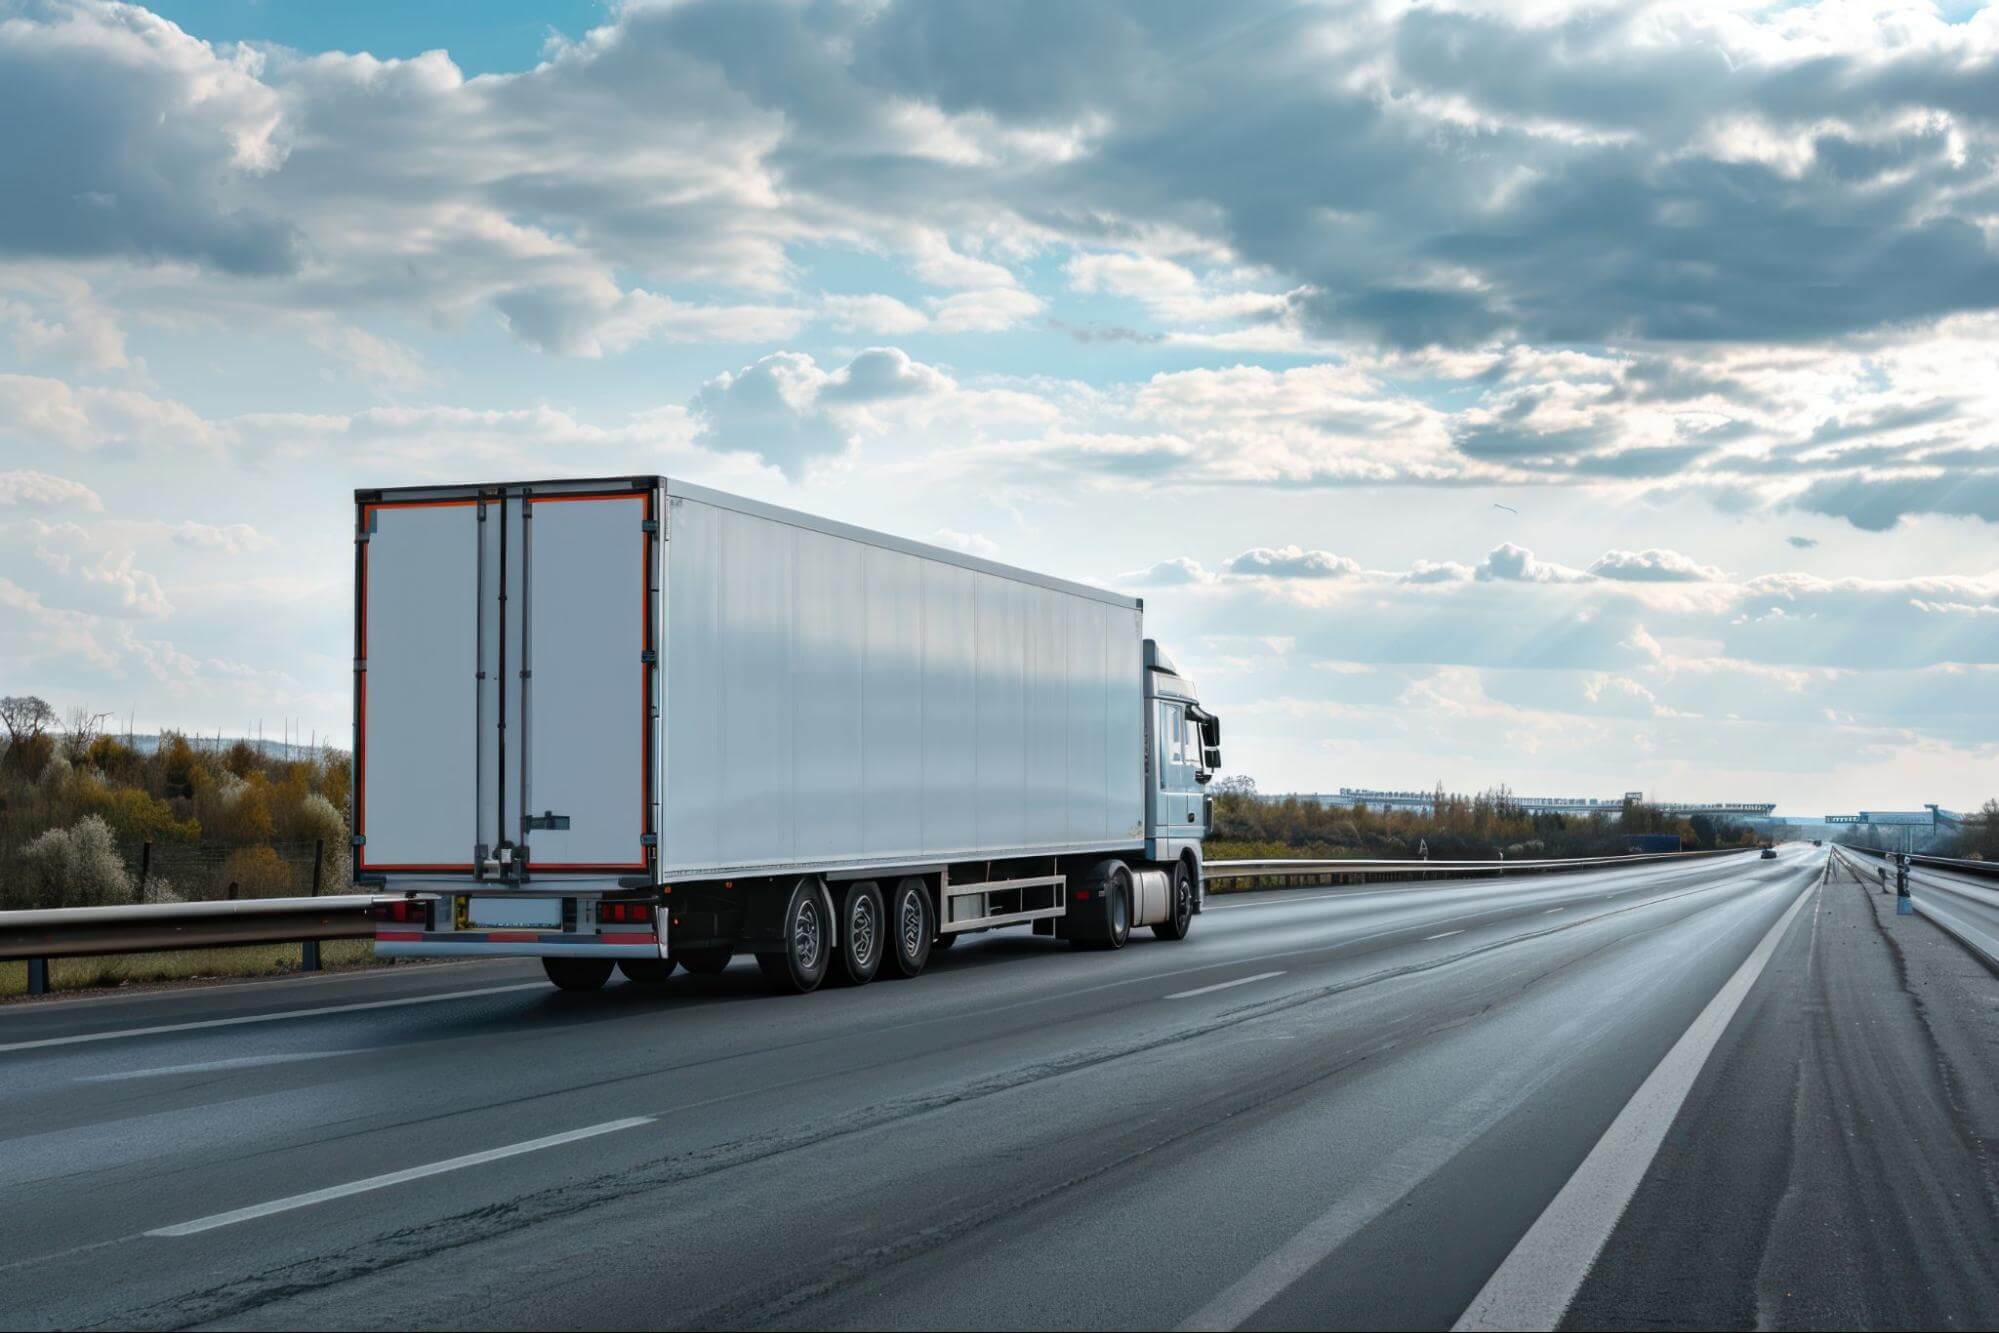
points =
(1175, 775)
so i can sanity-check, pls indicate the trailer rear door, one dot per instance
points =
(415, 699)
(505, 673)
(585, 687)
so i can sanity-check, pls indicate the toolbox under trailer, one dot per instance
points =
(643, 723)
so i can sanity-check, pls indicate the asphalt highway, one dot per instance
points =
(1723, 1093)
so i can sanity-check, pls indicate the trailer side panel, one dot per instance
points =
(834, 700)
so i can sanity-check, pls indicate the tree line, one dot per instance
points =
(90, 819)
(1458, 827)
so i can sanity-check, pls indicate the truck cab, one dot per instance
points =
(1183, 750)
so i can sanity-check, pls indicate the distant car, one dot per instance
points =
(1769, 853)
(1818, 842)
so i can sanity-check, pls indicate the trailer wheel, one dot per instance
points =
(704, 962)
(577, 973)
(801, 965)
(1181, 918)
(863, 926)
(912, 926)
(646, 971)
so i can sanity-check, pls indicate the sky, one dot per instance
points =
(1582, 398)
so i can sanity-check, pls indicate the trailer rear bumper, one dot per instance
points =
(512, 944)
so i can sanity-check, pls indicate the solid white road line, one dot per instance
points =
(395, 1178)
(1552, 910)
(1442, 935)
(216, 1066)
(82, 1037)
(1224, 985)
(1533, 1287)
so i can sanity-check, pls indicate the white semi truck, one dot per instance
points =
(633, 722)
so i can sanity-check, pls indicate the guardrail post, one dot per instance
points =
(308, 956)
(38, 976)
(145, 866)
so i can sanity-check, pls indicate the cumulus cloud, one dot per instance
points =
(1438, 571)
(1179, 572)
(1509, 563)
(1652, 566)
(224, 538)
(24, 488)
(872, 313)
(134, 139)
(787, 411)
(1290, 562)
(1877, 502)
(1415, 176)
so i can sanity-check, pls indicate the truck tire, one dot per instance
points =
(646, 971)
(1112, 930)
(863, 935)
(704, 962)
(1180, 905)
(912, 924)
(801, 965)
(577, 973)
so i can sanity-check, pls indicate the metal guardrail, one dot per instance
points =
(1978, 942)
(1359, 870)
(1957, 863)
(87, 932)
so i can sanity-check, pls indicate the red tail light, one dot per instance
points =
(403, 912)
(624, 914)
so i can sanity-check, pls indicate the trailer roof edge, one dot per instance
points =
(888, 541)
(759, 509)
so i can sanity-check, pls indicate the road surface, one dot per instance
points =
(1726, 1093)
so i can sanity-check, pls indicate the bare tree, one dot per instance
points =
(81, 728)
(26, 717)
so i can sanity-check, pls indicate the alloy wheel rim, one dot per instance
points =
(805, 936)
(912, 925)
(861, 931)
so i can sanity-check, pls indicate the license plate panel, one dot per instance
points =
(515, 913)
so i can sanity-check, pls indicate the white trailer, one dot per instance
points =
(640, 723)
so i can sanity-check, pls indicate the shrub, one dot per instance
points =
(115, 759)
(237, 811)
(242, 759)
(28, 755)
(257, 872)
(159, 889)
(182, 774)
(131, 813)
(76, 867)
